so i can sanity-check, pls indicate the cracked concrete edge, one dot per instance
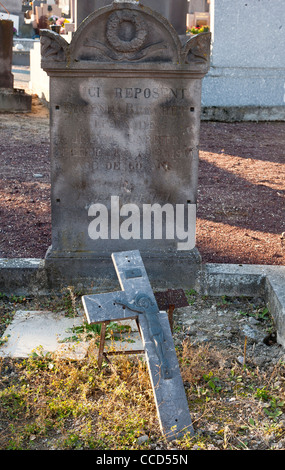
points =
(275, 299)
(23, 276)
(266, 281)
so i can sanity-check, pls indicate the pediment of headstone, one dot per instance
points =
(125, 33)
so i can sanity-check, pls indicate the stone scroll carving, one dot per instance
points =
(125, 33)
(196, 51)
(53, 46)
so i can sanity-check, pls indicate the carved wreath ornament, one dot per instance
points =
(126, 31)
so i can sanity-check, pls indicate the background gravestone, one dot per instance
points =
(13, 6)
(6, 48)
(11, 100)
(125, 103)
(12, 10)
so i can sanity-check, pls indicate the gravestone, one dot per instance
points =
(12, 10)
(6, 49)
(125, 102)
(66, 6)
(37, 3)
(137, 301)
(13, 6)
(11, 100)
(246, 80)
(44, 12)
(174, 11)
(198, 5)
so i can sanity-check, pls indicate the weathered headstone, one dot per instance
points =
(66, 6)
(37, 3)
(125, 101)
(13, 6)
(6, 49)
(11, 100)
(246, 81)
(198, 5)
(12, 10)
(174, 11)
(136, 300)
(44, 12)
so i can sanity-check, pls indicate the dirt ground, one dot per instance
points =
(240, 200)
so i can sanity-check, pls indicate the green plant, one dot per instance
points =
(262, 394)
(263, 314)
(72, 441)
(225, 300)
(191, 295)
(274, 410)
(17, 299)
(274, 405)
(212, 382)
(4, 340)
(89, 331)
(13, 400)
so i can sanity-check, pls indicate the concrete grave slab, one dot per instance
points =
(44, 331)
(30, 330)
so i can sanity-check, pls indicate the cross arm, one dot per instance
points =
(110, 306)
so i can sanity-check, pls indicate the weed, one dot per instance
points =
(14, 401)
(212, 382)
(274, 409)
(225, 300)
(260, 314)
(262, 394)
(88, 331)
(19, 299)
(4, 340)
(191, 295)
